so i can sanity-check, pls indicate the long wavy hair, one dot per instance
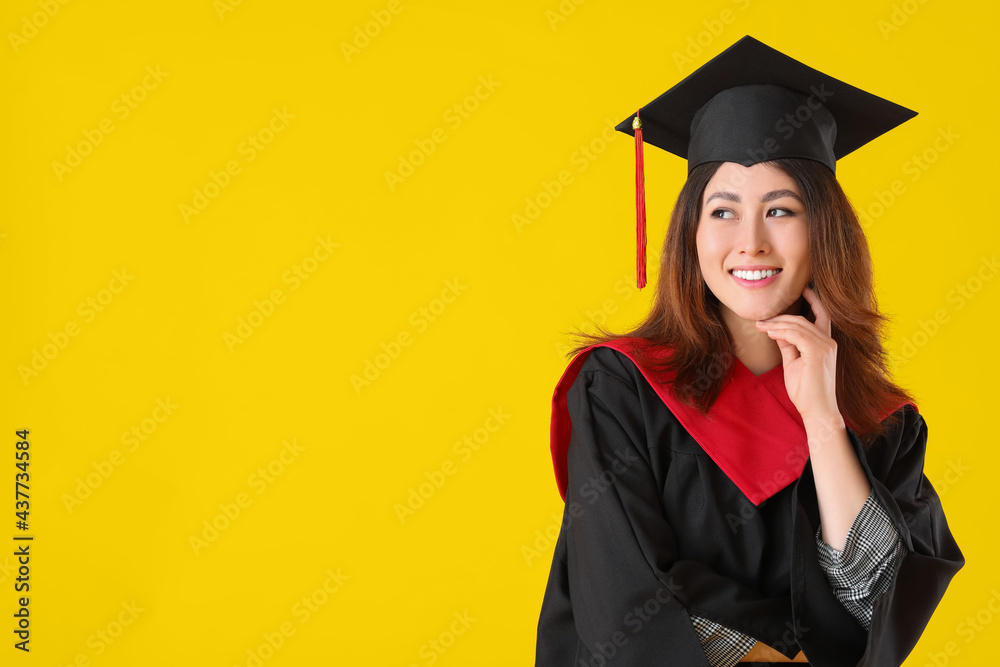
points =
(686, 317)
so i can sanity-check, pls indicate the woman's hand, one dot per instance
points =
(809, 357)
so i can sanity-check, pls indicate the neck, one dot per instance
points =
(759, 356)
(755, 349)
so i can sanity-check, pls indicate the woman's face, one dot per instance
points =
(753, 242)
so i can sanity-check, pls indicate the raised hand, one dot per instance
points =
(809, 357)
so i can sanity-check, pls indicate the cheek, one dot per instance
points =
(794, 246)
(803, 253)
(709, 247)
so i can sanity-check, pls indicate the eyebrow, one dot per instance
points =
(766, 197)
(778, 194)
(728, 196)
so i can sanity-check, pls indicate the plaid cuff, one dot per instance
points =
(864, 569)
(723, 647)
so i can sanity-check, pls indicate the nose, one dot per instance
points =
(753, 236)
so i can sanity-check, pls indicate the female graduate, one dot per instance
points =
(743, 481)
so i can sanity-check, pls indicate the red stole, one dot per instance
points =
(753, 431)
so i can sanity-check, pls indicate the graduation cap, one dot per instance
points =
(749, 104)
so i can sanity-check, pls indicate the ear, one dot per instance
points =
(807, 309)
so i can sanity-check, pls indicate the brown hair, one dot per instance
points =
(686, 318)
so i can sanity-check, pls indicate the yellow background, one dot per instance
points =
(537, 83)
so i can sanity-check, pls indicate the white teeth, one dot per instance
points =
(754, 275)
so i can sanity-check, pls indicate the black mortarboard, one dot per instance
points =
(751, 104)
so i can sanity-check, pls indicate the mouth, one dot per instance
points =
(754, 277)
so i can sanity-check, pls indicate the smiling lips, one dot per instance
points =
(754, 277)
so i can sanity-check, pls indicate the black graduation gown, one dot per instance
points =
(654, 532)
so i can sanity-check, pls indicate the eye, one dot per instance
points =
(779, 212)
(723, 214)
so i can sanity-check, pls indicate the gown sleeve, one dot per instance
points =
(863, 570)
(630, 594)
(830, 635)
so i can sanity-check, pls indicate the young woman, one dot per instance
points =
(743, 481)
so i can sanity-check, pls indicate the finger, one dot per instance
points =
(806, 342)
(786, 318)
(789, 352)
(819, 310)
(799, 324)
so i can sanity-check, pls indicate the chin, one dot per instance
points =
(760, 313)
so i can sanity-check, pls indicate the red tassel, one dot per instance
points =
(640, 206)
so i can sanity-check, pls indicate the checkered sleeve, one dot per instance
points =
(864, 569)
(723, 647)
